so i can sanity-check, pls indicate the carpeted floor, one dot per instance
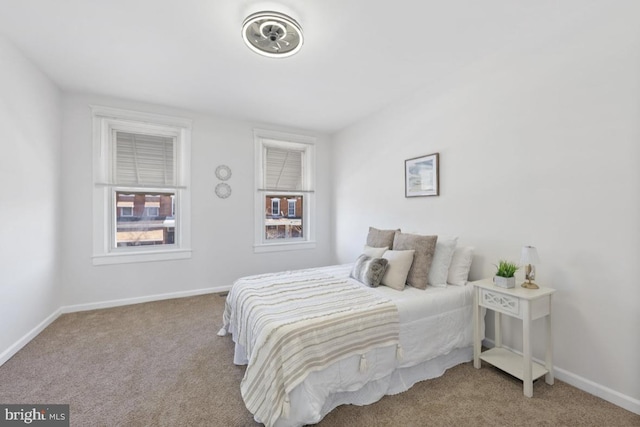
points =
(161, 364)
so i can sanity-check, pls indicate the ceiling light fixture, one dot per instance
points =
(272, 34)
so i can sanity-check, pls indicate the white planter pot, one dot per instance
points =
(505, 282)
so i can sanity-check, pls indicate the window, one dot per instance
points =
(275, 207)
(154, 211)
(292, 208)
(141, 187)
(284, 191)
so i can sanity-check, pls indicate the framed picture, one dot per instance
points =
(421, 176)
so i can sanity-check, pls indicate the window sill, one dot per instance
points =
(148, 256)
(279, 247)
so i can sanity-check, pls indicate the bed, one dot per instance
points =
(318, 338)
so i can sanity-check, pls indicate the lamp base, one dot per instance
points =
(530, 285)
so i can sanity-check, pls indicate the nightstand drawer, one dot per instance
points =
(502, 303)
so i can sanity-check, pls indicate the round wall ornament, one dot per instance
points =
(223, 190)
(223, 172)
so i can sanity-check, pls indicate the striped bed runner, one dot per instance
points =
(296, 322)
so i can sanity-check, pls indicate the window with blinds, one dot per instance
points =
(142, 161)
(141, 186)
(284, 190)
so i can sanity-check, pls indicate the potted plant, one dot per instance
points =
(505, 275)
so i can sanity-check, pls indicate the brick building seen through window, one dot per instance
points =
(283, 218)
(145, 218)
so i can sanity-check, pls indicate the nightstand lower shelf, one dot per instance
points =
(511, 363)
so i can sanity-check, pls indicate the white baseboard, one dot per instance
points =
(138, 300)
(617, 398)
(13, 349)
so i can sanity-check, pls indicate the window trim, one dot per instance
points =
(105, 121)
(263, 138)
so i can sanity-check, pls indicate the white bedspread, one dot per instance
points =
(435, 334)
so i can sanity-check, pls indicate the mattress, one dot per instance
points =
(436, 332)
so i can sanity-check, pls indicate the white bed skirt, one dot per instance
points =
(316, 396)
(402, 379)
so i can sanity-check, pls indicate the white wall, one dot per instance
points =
(539, 146)
(222, 229)
(30, 203)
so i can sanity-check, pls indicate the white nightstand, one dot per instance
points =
(524, 304)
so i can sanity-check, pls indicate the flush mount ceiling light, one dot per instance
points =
(272, 34)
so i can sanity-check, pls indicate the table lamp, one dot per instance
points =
(529, 258)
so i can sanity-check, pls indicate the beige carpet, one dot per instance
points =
(161, 364)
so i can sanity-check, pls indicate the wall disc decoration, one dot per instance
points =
(223, 190)
(223, 172)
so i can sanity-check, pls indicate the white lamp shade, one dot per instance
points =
(529, 255)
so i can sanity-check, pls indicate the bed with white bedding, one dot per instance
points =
(420, 334)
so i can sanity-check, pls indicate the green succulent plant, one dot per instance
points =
(506, 268)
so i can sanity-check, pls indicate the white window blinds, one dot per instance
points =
(283, 169)
(144, 160)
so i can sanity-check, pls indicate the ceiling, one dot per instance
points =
(358, 57)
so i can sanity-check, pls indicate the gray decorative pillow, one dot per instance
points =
(381, 238)
(425, 247)
(369, 270)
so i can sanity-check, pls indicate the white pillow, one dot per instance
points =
(398, 268)
(460, 266)
(372, 252)
(441, 261)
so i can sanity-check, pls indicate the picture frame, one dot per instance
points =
(422, 176)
